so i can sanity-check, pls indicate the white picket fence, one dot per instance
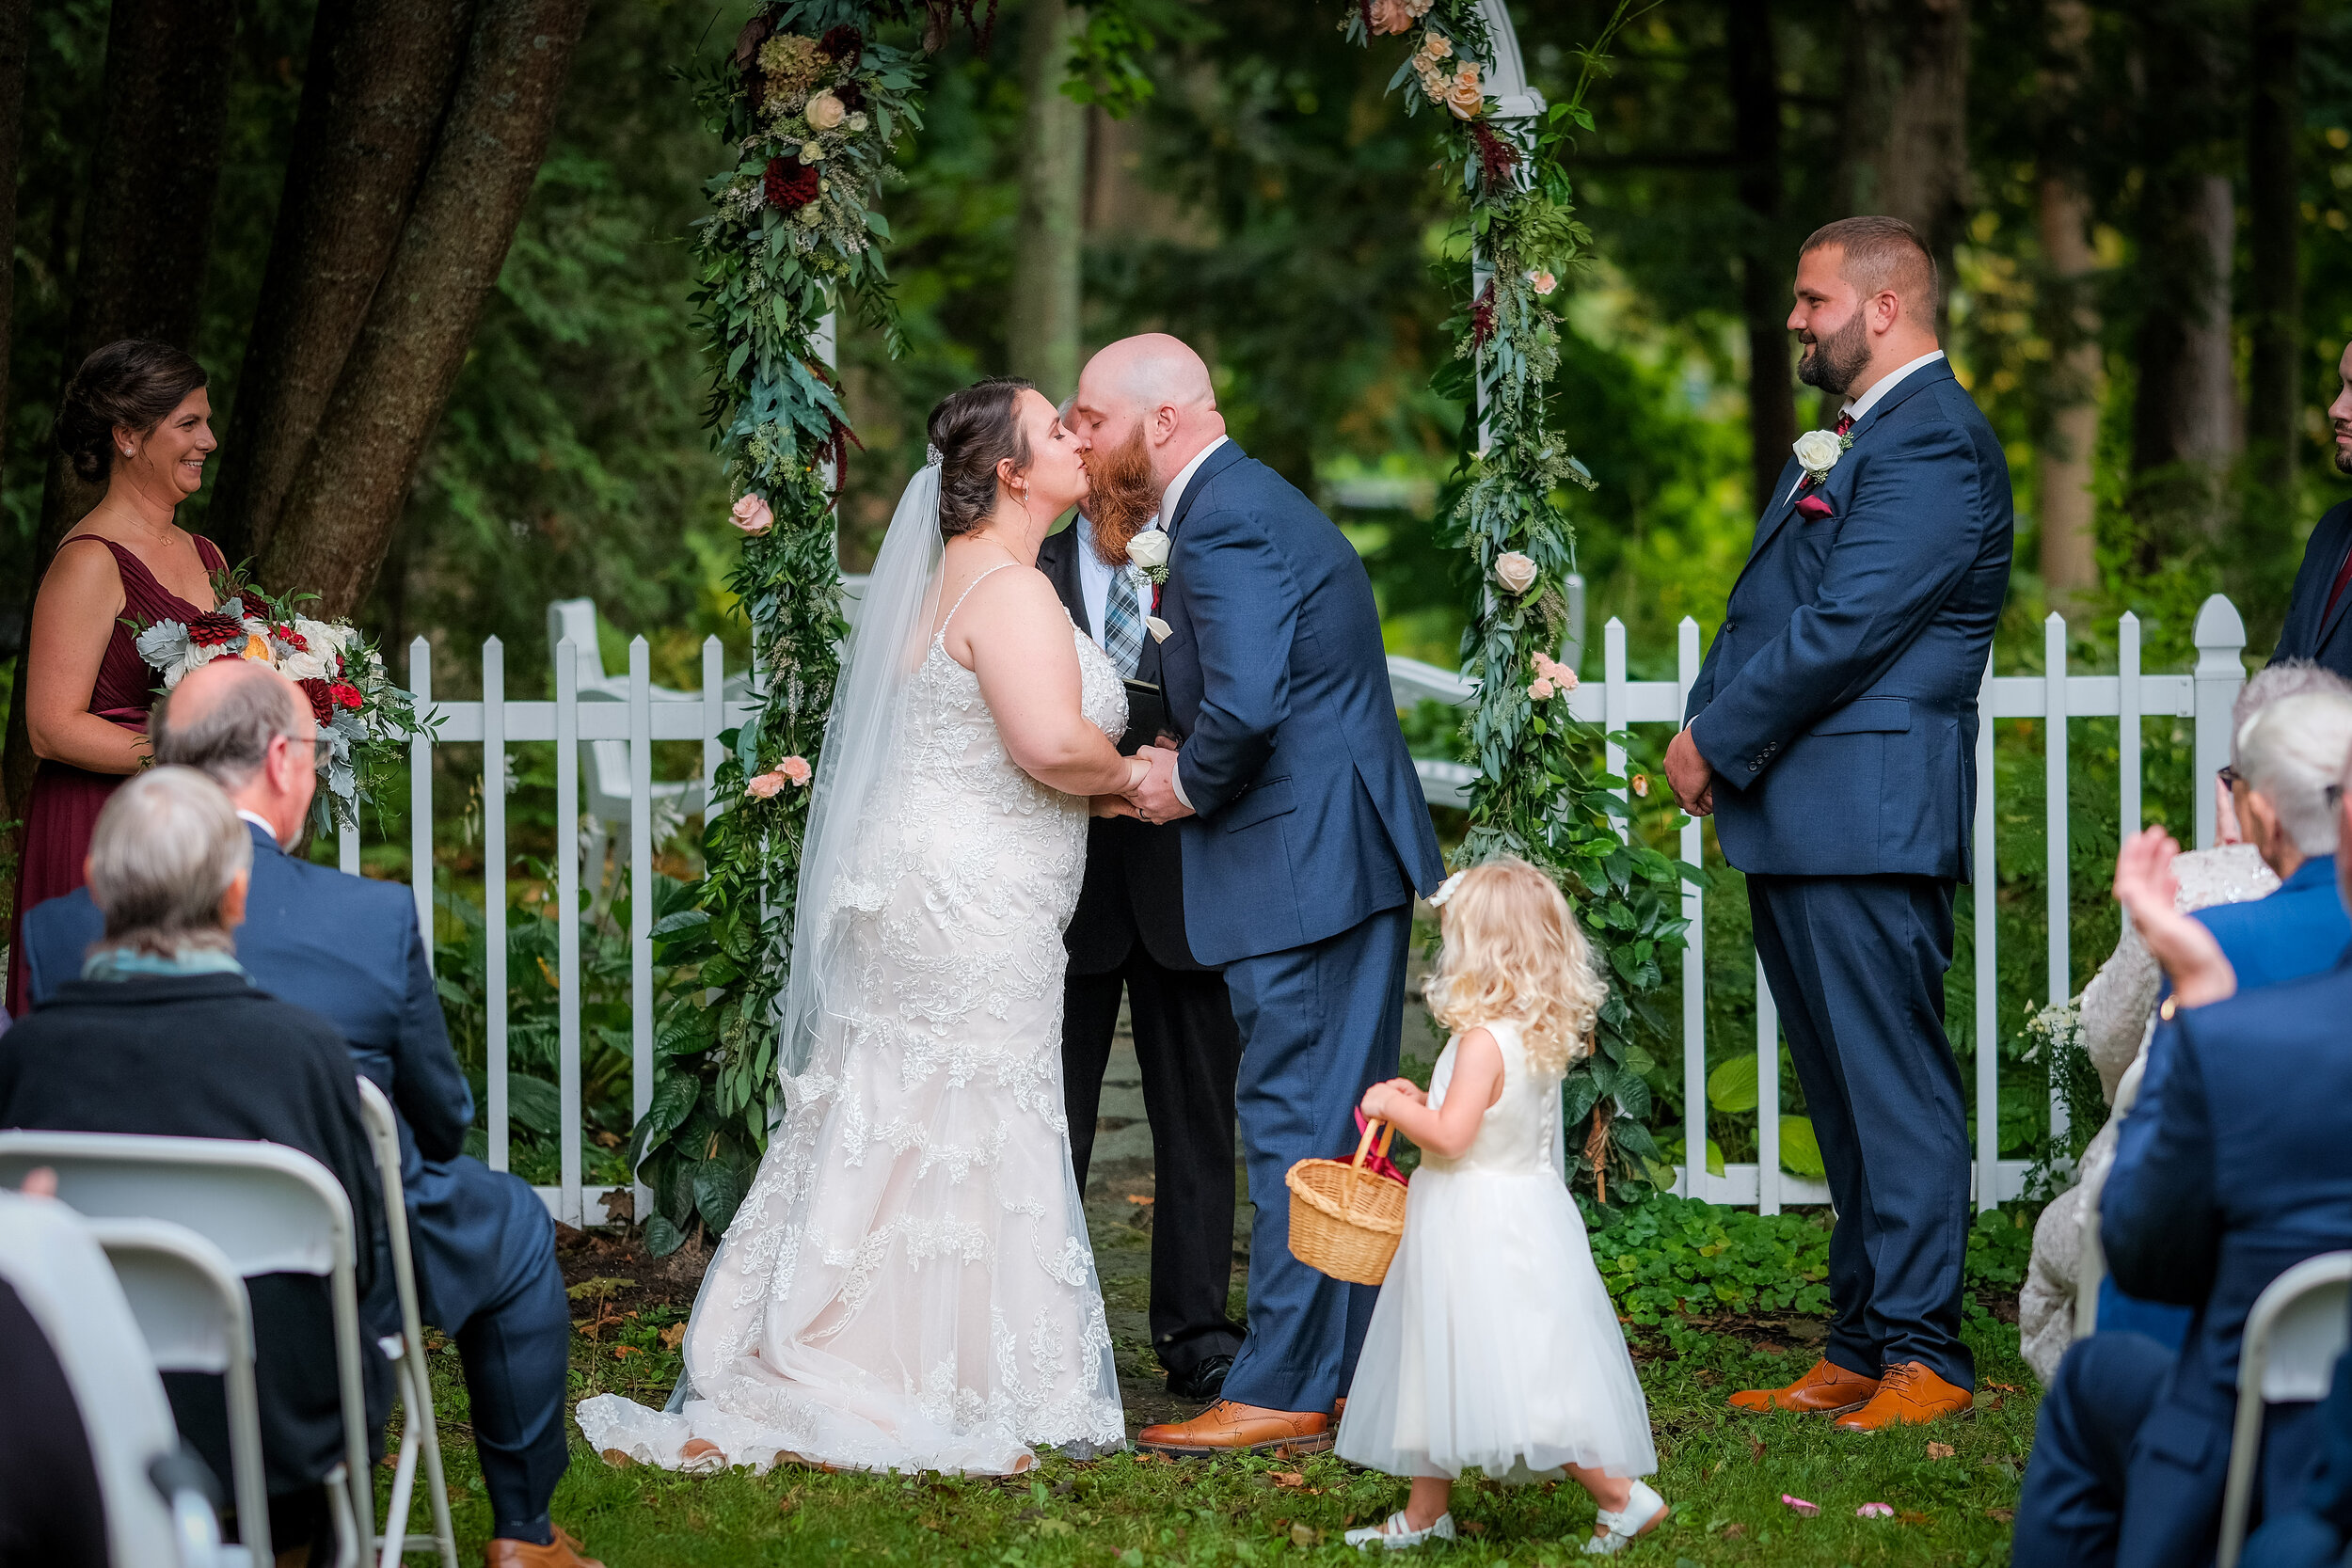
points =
(632, 714)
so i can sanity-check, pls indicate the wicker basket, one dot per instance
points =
(1345, 1221)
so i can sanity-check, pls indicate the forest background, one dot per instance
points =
(2141, 208)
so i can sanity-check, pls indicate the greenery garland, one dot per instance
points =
(1537, 794)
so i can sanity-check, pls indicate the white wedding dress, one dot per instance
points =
(908, 1284)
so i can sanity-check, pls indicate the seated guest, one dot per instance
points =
(164, 1034)
(2316, 1532)
(2231, 1168)
(2316, 624)
(350, 948)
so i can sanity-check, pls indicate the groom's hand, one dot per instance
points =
(1689, 776)
(1155, 796)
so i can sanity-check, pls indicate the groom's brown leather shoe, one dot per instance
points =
(1826, 1390)
(1226, 1427)
(1908, 1395)
(564, 1551)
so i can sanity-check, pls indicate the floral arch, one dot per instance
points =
(811, 100)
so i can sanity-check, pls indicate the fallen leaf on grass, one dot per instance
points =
(1874, 1511)
(1987, 1402)
(1911, 1516)
(1733, 1532)
(1302, 1535)
(1941, 1450)
(1287, 1478)
(1756, 1447)
(674, 1336)
(617, 1458)
(622, 1352)
(1800, 1504)
(1765, 1347)
(1474, 1527)
(2000, 1516)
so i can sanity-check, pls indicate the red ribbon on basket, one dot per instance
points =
(1374, 1162)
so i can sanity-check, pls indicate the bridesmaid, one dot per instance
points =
(135, 415)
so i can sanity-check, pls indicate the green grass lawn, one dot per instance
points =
(1952, 1486)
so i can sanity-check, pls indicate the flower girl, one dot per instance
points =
(1494, 1342)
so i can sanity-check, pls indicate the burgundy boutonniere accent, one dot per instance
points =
(1814, 506)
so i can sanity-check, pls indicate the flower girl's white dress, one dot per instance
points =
(1494, 1342)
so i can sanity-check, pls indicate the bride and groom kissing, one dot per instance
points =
(908, 1283)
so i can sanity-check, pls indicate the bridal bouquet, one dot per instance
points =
(363, 719)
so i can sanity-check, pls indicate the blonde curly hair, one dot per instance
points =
(1510, 949)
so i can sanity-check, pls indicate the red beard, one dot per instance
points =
(1122, 496)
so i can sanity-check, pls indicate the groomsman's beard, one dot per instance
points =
(1831, 363)
(1120, 496)
(2344, 454)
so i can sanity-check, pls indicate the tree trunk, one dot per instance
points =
(2275, 288)
(1041, 325)
(353, 483)
(1906, 140)
(378, 84)
(1763, 263)
(147, 228)
(2065, 505)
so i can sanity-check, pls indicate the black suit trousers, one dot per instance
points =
(1190, 1053)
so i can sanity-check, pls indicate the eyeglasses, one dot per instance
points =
(2229, 776)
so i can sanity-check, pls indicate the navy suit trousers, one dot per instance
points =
(1319, 1025)
(1856, 965)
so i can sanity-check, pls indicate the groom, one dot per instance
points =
(1833, 733)
(1305, 837)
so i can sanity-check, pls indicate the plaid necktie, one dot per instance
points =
(1123, 625)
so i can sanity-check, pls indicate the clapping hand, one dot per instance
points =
(2145, 886)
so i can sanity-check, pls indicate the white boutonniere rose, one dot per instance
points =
(1819, 452)
(1147, 552)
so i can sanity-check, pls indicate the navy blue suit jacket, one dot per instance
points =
(1842, 687)
(1308, 815)
(2297, 928)
(349, 949)
(2308, 633)
(2221, 1183)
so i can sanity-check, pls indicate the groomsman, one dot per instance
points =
(2317, 626)
(1128, 935)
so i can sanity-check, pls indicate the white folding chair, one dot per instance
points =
(271, 1209)
(2296, 1329)
(49, 1258)
(418, 1432)
(191, 1309)
(2093, 1268)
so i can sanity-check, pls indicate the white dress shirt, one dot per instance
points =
(261, 822)
(1870, 400)
(1174, 494)
(1098, 579)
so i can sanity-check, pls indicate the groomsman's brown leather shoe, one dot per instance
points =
(564, 1551)
(1226, 1427)
(1826, 1390)
(1909, 1395)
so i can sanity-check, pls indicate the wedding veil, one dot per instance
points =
(887, 644)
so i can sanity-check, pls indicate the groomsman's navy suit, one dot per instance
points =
(349, 949)
(1838, 708)
(2313, 631)
(2232, 1168)
(1309, 841)
(1128, 934)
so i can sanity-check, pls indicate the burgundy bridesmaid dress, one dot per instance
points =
(66, 799)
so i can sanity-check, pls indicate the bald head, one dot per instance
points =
(248, 728)
(1150, 387)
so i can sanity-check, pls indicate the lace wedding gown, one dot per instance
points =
(908, 1285)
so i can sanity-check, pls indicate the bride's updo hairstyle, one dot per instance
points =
(1508, 948)
(134, 384)
(973, 431)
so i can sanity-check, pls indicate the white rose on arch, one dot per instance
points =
(1818, 451)
(1514, 572)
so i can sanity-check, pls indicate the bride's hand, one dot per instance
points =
(1110, 805)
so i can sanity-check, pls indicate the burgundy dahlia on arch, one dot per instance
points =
(322, 696)
(790, 185)
(844, 43)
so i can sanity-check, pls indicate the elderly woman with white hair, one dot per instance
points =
(2270, 900)
(164, 1034)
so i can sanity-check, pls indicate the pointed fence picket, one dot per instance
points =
(591, 711)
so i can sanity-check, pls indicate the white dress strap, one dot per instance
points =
(967, 594)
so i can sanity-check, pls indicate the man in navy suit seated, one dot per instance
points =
(2317, 626)
(350, 949)
(2221, 1183)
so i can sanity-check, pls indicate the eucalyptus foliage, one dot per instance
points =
(1538, 794)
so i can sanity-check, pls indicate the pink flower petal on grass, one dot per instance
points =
(1874, 1511)
(1800, 1504)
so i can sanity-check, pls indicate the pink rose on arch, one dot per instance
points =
(1391, 16)
(764, 787)
(797, 770)
(752, 516)
(1539, 690)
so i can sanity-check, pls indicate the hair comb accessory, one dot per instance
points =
(932, 456)
(1445, 890)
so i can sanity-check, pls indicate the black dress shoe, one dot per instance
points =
(1204, 1382)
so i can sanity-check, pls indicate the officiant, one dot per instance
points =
(1128, 935)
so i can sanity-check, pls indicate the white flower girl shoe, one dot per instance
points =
(1643, 1511)
(1396, 1536)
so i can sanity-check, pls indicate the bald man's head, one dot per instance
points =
(248, 728)
(1152, 389)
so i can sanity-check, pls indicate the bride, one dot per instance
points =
(908, 1285)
